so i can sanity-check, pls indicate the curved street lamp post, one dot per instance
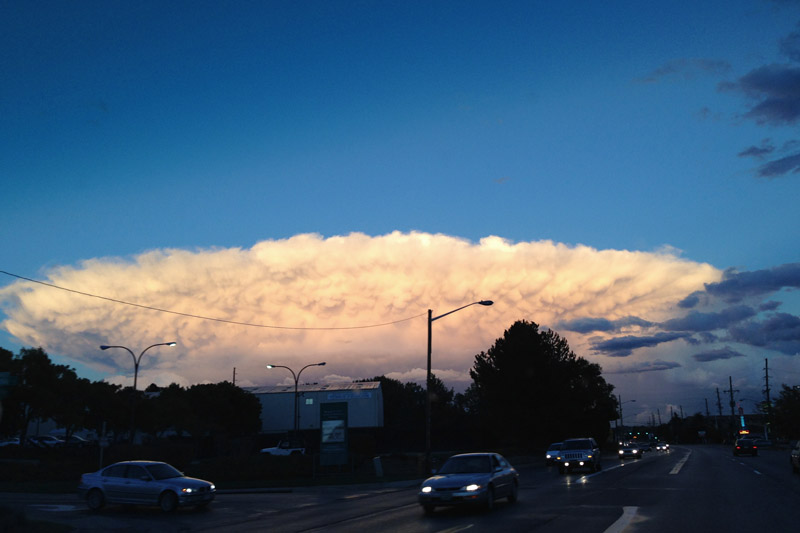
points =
(431, 318)
(136, 361)
(296, 381)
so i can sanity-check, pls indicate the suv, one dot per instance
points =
(578, 453)
(286, 447)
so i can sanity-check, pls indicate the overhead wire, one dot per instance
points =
(201, 317)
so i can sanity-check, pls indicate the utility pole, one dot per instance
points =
(766, 391)
(733, 403)
(234, 376)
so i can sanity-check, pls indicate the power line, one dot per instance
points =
(248, 324)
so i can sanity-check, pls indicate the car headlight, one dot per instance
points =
(549, 456)
(212, 487)
(426, 490)
(187, 491)
(621, 452)
(472, 487)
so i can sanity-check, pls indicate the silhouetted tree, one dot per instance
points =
(786, 413)
(530, 388)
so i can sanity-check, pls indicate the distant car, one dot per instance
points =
(630, 451)
(745, 447)
(144, 483)
(46, 441)
(76, 441)
(794, 458)
(579, 453)
(552, 453)
(470, 479)
(662, 447)
(286, 447)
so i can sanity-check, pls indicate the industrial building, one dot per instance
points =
(364, 405)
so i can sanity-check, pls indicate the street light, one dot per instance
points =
(621, 420)
(296, 380)
(136, 362)
(431, 318)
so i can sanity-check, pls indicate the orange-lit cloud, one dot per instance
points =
(343, 300)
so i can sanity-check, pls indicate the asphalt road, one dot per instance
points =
(691, 488)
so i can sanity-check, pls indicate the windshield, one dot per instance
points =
(163, 471)
(467, 465)
(577, 445)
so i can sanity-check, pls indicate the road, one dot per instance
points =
(691, 488)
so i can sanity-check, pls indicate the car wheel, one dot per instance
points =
(512, 497)
(490, 498)
(429, 509)
(95, 499)
(168, 501)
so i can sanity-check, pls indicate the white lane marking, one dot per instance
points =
(52, 508)
(628, 514)
(456, 529)
(677, 467)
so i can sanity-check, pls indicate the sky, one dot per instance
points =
(295, 182)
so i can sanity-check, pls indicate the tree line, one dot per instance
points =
(528, 389)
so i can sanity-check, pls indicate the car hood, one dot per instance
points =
(185, 482)
(455, 480)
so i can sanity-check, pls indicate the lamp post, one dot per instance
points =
(621, 420)
(296, 381)
(136, 361)
(431, 318)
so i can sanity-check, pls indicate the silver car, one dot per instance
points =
(144, 483)
(471, 479)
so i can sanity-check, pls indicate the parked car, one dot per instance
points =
(144, 483)
(46, 441)
(13, 441)
(579, 453)
(470, 479)
(630, 451)
(552, 453)
(745, 447)
(794, 458)
(286, 447)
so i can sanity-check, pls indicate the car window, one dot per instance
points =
(136, 472)
(115, 471)
(163, 471)
(467, 465)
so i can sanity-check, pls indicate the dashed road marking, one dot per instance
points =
(628, 514)
(677, 467)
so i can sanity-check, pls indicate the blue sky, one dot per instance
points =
(659, 130)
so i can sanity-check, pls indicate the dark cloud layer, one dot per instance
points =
(589, 325)
(696, 321)
(736, 286)
(647, 366)
(756, 324)
(624, 346)
(716, 355)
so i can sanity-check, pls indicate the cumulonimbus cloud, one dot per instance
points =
(355, 301)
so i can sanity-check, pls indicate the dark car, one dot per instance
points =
(470, 479)
(579, 453)
(745, 447)
(630, 451)
(794, 458)
(144, 483)
(552, 453)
